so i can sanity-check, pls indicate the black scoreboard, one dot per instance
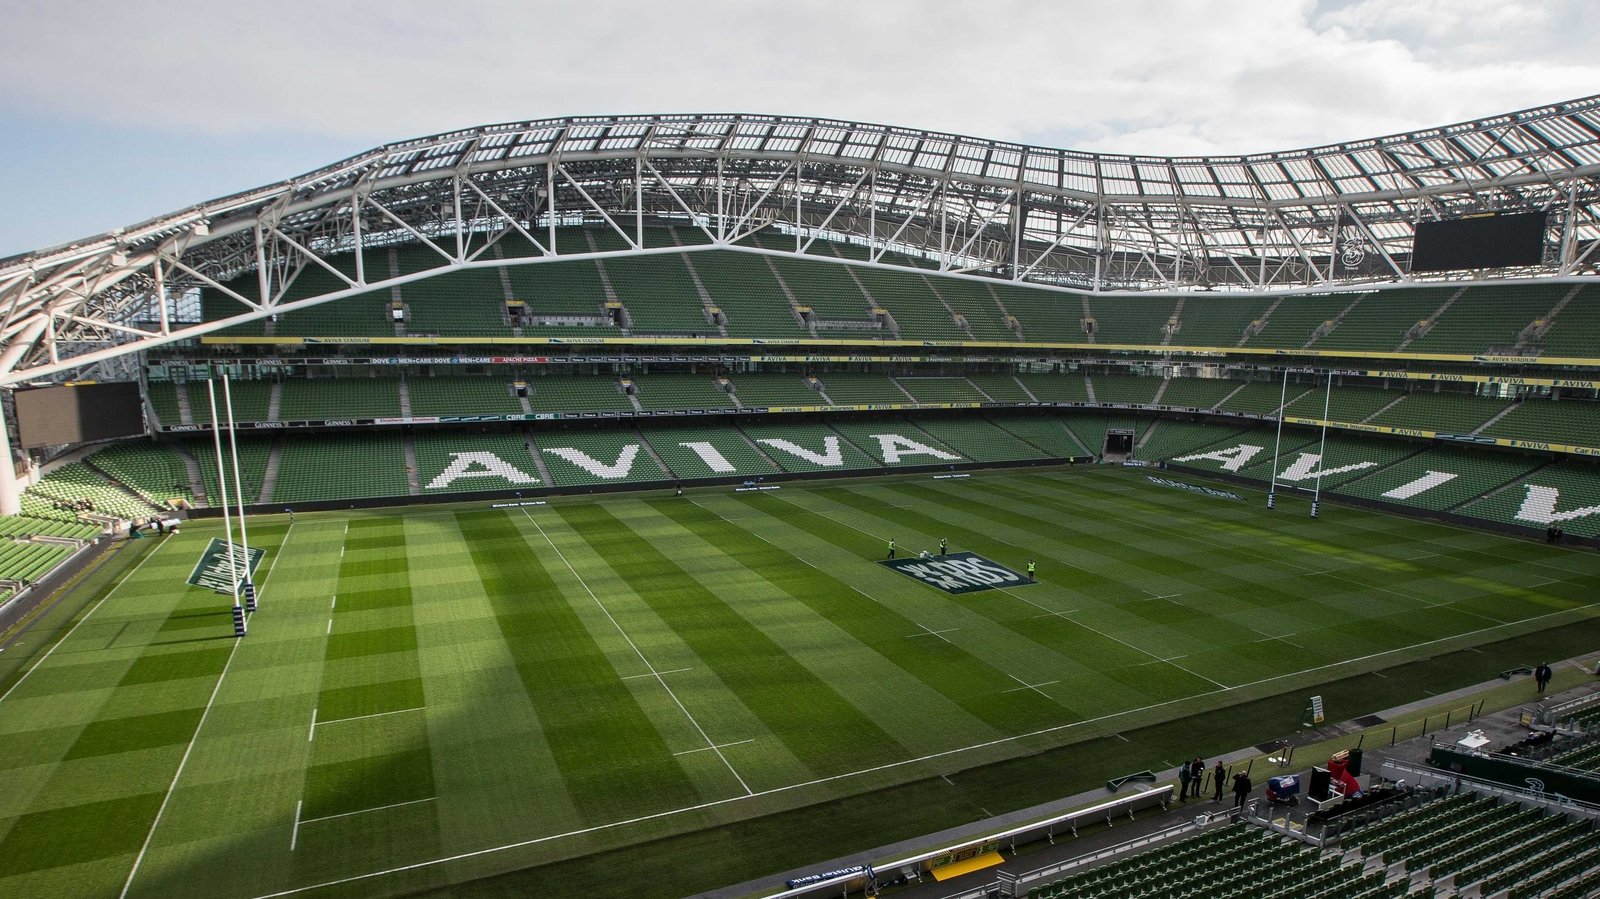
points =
(1479, 241)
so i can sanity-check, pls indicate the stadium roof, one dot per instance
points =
(1304, 219)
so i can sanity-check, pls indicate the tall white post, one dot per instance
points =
(1322, 447)
(238, 493)
(222, 488)
(1283, 399)
(10, 496)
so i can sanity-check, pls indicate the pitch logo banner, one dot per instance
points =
(958, 572)
(214, 571)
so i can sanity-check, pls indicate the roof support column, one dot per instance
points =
(10, 493)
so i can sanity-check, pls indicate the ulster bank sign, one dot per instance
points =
(958, 572)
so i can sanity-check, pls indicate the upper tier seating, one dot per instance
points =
(848, 389)
(1572, 331)
(918, 312)
(1110, 388)
(1070, 387)
(324, 398)
(933, 389)
(763, 389)
(1000, 388)
(466, 303)
(679, 390)
(829, 290)
(973, 302)
(1346, 402)
(458, 395)
(1380, 321)
(1293, 321)
(1486, 318)
(1570, 421)
(1443, 412)
(1131, 319)
(1197, 393)
(1046, 316)
(576, 393)
(752, 302)
(364, 314)
(1218, 321)
(659, 295)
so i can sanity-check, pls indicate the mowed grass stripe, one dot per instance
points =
(93, 799)
(1072, 653)
(822, 729)
(613, 761)
(978, 687)
(1423, 575)
(1213, 648)
(360, 765)
(1135, 667)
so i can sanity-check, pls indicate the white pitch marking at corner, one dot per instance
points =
(710, 743)
(889, 766)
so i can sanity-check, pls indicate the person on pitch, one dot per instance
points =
(944, 545)
(1031, 569)
(891, 547)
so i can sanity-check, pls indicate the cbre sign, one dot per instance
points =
(958, 572)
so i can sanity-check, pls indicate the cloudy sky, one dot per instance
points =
(119, 111)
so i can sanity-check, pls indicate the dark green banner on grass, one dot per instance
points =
(958, 572)
(213, 572)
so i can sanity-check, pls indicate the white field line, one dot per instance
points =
(1307, 570)
(294, 835)
(655, 816)
(195, 737)
(85, 617)
(1160, 529)
(710, 743)
(658, 674)
(316, 724)
(139, 860)
(366, 810)
(930, 632)
(718, 746)
(1033, 687)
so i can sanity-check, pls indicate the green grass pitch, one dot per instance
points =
(441, 694)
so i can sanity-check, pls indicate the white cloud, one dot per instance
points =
(1137, 76)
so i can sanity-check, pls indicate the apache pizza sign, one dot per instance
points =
(958, 572)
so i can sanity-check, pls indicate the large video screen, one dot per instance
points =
(1479, 241)
(49, 416)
